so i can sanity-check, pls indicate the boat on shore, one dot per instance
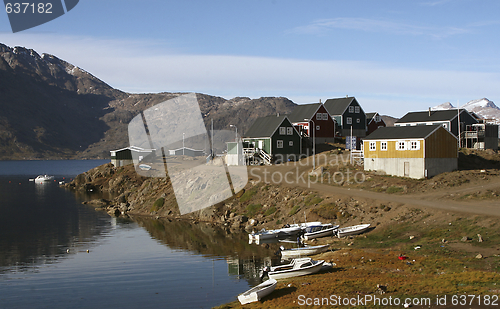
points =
(302, 251)
(352, 230)
(258, 292)
(317, 231)
(274, 234)
(297, 267)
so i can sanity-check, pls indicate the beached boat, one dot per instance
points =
(305, 225)
(274, 234)
(43, 178)
(258, 292)
(144, 167)
(316, 231)
(297, 267)
(352, 230)
(302, 251)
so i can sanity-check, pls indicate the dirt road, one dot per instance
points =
(295, 174)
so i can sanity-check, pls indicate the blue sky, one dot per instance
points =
(393, 56)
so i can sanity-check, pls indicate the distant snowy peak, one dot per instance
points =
(443, 106)
(484, 108)
(480, 104)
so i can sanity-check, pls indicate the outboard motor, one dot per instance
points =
(264, 273)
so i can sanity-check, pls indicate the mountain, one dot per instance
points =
(54, 109)
(443, 106)
(484, 108)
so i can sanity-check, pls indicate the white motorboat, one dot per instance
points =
(352, 230)
(317, 231)
(43, 178)
(305, 225)
(144, 167)
(297, 267)
(258, 292)
(302, 251)
(273, 234)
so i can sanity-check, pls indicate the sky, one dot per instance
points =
(393, 56)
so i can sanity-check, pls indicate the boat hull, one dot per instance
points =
(258, 292)
(322, 233)
(281, 274)
(297, 252)
(352, 230)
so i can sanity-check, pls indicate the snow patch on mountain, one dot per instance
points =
(484, 108)
(443, 106)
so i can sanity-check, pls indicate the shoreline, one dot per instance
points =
(399, 227)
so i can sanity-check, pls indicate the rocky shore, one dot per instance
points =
(444, 253)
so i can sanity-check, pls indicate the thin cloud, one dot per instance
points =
(132, 67)
(434, 3)
(322, 26)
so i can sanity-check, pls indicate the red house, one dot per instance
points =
(314, 120)
(373, 122)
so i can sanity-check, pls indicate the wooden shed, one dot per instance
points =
(413, 151)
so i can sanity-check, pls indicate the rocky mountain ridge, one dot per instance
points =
(54, 109)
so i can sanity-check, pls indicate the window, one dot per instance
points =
(290, 143)
(351, 109)
(378, 118)
(317, 128)
(401, 145)
(289, 131)
(349, 120)
(415, 145)
(358, 120)
(373, 146)
(383, 145)
(279, 144)
(356, 108)
(282, 130)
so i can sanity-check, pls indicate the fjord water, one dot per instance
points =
(45, 233)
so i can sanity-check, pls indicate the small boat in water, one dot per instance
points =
(297, 267)
(352, 230)
(43, 178)
(258, 292)
(317, 231)
(302, 251)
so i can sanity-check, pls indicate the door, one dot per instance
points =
(407, 169)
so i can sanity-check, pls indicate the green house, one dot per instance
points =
(273, 138)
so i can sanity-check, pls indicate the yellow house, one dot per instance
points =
(413, 151)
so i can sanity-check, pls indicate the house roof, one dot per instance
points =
(133, 148)
(303, 111)
(265, 126)
(402, 132)
(338, 106)
(440, 115)
(369, 116)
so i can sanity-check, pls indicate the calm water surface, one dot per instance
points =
(45, 233)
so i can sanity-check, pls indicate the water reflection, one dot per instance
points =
(40, 222)
(243, 259)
